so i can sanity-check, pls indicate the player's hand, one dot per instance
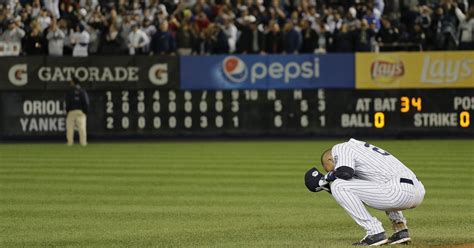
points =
(323, 185)
(330, 176)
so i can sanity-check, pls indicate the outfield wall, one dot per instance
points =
(385, 95)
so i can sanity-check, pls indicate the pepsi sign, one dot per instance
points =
(267, 71)
(234, 69)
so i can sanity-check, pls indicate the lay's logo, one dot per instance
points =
(386, 70)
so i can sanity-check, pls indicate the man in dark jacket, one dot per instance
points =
(251, 39)
(364, 37)
(291, 39)
(274, 39)
(77, 106)
(309, 38)
(162, 41)
(387, 35)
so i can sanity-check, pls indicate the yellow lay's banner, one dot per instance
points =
(415, 70)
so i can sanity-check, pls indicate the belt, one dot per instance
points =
(406, 180)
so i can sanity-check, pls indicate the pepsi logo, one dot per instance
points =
(234, 69)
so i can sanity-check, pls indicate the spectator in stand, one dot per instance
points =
(55, 37)
(274, 39)
(352, 22)
(96, 19)
(149, 30)
(425, 20)
(364, 37)
(184, 39)
(325, 38)
(114, 18)
(111, 42)
(33, 42)
(279, 10)
(387, 34)
(418, 36)
(310, 38)
(466, 29)
(44, 19)
(67, 46)
(446, 38)
(80, 40)
(372, 16)
(201, 18)
(69, 14)
(230, 30)
(410, 17)
(13, 35)
(163, 42)
(343, 40)
(94, 35)
(137, 40)
(334, 21)
(251, 40)
(216, 40)
(53, 7)
(291, 39)
(35, 8)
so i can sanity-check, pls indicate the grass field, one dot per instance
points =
(212, 194)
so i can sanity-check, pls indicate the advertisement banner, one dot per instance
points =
(267, 71)
(114, 72)
(402, 70)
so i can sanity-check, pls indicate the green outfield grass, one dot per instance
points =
(212, 194)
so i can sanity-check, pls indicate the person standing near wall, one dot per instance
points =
(77, 106)
(80, 39)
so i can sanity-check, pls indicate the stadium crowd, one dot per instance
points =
(115, 27)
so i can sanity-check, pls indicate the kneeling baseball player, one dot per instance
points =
(362, 174)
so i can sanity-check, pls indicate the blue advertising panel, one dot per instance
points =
(267, 71)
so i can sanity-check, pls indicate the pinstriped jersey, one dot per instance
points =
(368, 162)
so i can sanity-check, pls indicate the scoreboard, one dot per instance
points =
(146, 113)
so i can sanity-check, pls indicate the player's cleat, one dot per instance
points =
(373, 240)
(400, 237)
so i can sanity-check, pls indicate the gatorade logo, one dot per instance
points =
(158, 74)
(18, 75)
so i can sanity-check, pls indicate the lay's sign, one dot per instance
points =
(415, 70)
(386, 70)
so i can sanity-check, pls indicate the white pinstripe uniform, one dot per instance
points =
(376, 183)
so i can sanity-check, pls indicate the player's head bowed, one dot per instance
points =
(327, 161)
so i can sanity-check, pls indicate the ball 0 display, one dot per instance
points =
(318, 112)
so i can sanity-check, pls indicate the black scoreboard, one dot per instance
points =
(247, 113)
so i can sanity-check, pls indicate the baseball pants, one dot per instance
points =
(76, 118)
(397, 194)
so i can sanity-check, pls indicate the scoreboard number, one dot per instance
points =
(464, 119)
(141, 122)
(156, 122)
(407, 102)
(110, 107)
(219, 121)
(379, 120)
(110, 122)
